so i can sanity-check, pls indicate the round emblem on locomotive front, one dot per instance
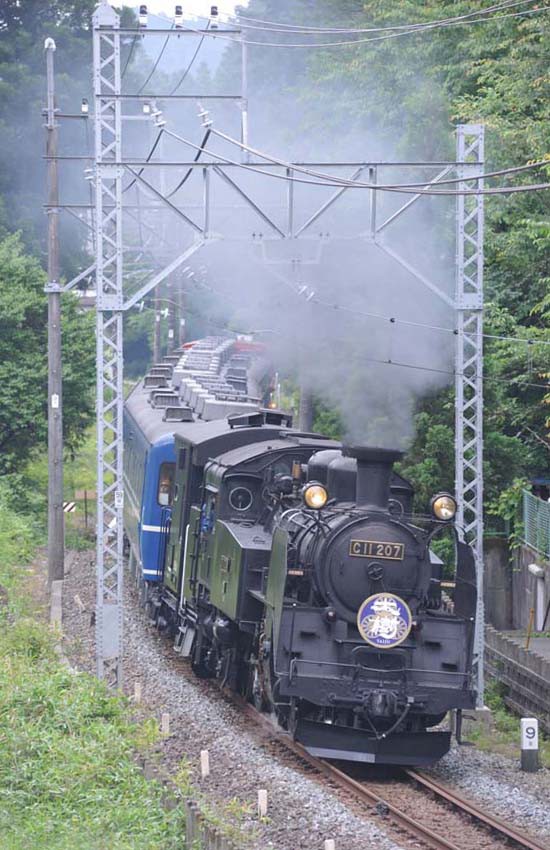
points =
(384, 620)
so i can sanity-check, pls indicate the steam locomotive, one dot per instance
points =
(291, 568)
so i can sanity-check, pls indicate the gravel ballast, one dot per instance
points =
(500, 786)
(302, 811)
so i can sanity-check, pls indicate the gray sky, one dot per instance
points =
(195, 7)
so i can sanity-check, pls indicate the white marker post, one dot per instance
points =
(262, 804)
(330, 844)
(529, 744)
(165, 724)
(205, 764)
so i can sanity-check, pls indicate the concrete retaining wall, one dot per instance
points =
(511, 591)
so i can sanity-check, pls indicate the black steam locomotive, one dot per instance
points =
(293, 570)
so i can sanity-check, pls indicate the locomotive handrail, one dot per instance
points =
(165, 522)
(341, 664)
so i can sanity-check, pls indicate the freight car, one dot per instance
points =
(293, 570)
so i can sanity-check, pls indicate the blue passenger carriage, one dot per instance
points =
(149, 466)
(207, 380)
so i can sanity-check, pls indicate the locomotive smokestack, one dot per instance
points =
(374, 469)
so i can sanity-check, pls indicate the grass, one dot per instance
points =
(68, 775)
(502, 735)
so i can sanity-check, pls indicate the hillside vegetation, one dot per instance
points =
(411, 91)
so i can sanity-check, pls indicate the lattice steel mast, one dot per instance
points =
(110, 398)
(469, 364)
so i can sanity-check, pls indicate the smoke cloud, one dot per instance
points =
(372, 369)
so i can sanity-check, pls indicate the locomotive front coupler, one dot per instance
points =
(376, 703)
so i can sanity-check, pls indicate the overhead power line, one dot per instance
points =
(189, 171)
(394, 320)
(334, 184)
(190, 65)
(356, 41)
(516, 382)
(148, 159)
(129, 57)
(156, 63)
(339, 181)
(322, 30)
(309, 295)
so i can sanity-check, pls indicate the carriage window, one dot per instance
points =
(166, 484)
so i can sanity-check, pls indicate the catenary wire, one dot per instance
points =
(156, 63)
(394, 320)
(338, 181)
(376, 187)
(296, 29)
(516, 382)
(278, 26)
(380, 38)
(190, 65)
(129, 57)
(148, 159)
(189, 171)
(298, 289)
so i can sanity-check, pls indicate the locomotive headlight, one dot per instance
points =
(315, 496)
(443, 507)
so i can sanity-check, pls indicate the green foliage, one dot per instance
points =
(18, 538)
(23, 360)
(406, 93)
(503, 735)
(68, 776)
(25, 26)
(327, 421)
(67, 772)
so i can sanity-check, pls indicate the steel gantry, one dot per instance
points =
(283, 229)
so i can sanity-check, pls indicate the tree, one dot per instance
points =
(23, 360)
(408, 92)
(24, 26)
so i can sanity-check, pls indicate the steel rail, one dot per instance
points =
(359, 790)
(505, 829)
(362, 791)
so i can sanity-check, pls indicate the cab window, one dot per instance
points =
(208, 513)
(165, 495)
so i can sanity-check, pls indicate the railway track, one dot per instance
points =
(476, 829)
(497, 825)
(493, 831)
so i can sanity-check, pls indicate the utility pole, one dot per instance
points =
(56, 541)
